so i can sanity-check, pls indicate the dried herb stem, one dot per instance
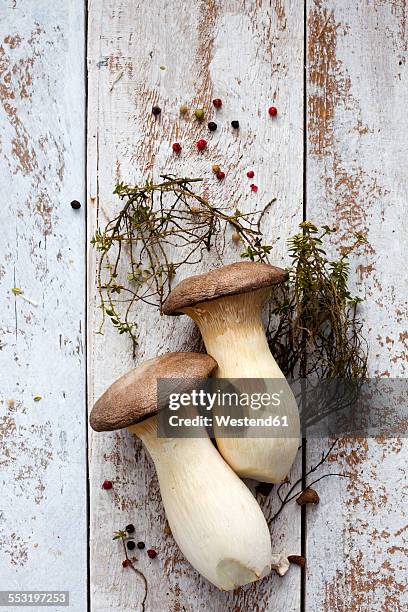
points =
(291, 493)
(161, 227)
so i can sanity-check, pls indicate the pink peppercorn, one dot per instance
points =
(201, 144)
(176, 147)
(107, 484)
(151, 553)
(251, 174)
(254, 188)
(217, 103)
(273, 111)
(220, 175)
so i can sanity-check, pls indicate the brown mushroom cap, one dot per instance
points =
(133, 397)
(241, 277)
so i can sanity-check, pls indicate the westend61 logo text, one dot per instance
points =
(207, 400)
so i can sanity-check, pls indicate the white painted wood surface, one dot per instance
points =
(43, 530)
(250, 54)
(356, 171)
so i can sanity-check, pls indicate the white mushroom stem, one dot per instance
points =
(234, 336)
(213, 516)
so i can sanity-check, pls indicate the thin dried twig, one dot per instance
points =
(291, 494)
(134, 264)
(139, 573)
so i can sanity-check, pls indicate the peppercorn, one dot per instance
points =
(107, 484)
(273, 111)
(176, 147)
(130, 528)
(130, 545)
(156, 110)
(201, 144)
(220, 176)
(254, 188)
(75, 204)
(141, 545)
(251, 174)
(217, 103)
(151, 553)
(235, 124)
(216, 168)
(126, 563)
(212, 126)
(199, 113)
(183, 109)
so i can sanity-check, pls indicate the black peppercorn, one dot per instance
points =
(75, 204)
(130, 528)
(212, 126)
(235, 124)
(156, 110)
(130, 545)
(141, 545)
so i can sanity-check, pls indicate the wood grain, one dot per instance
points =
(356, 142)
(250, 54)
(42, 443)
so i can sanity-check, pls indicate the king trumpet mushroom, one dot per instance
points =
(226, 303)
(213, 516)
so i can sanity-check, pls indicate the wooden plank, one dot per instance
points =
(42, 443)
(357, 125)
(250, 54)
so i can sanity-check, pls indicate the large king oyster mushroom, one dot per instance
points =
(226, 303)
(213, 516)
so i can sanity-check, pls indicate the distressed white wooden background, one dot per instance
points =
(43, 467)
(336, 153)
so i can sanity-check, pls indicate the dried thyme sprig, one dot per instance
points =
(161, 227)
(123, 536)
(291, 493)
(314, 330)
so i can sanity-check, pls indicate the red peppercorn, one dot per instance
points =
(151, 553)
(176, 147)
(125, 563)
(254, 188)
(251, 174)
(201, 144)
(217, 103)
(107, 484)
(220, 175)
(273, 111)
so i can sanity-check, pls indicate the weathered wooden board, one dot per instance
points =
(250, 54)
(356, 180)
(42, 443)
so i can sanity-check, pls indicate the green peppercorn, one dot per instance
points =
(199, 113)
